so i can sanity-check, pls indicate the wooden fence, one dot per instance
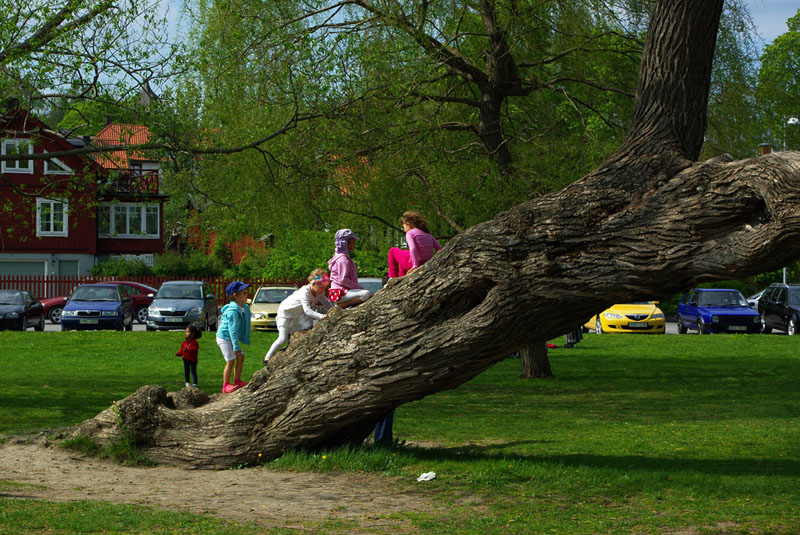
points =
(43, 287)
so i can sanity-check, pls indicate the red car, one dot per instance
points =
(53, 306)
(141, 294)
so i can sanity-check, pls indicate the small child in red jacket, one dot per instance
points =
(188, 351)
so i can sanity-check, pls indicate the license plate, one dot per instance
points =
(737, 328)
(89, 322)
(637, 324)
(173, 320)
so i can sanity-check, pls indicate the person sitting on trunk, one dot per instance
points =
(345, 290)
(421, 245)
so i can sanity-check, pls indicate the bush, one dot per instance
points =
(121, 268)
(195, 264)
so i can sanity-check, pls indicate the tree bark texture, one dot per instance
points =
(535, 364)
(647, 224)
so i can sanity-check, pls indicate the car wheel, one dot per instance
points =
(141, 314)
(148, 328)
(55, 314)
(129, 326)
(598, 326)
(701, 327)
(40, 326)
(764, 328)
(791, 327)
(681, 327)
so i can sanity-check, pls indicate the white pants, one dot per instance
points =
(355, 293)
(287, 326)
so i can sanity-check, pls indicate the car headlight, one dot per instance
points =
(756, 319)
(714, 319)
(257, 316)
(657, 316)
(195, 310)
(612, 315)
(109, 313)
(12, 315)
(69, 313)
(154, 312)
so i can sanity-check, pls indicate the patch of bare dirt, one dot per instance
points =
(273, 498)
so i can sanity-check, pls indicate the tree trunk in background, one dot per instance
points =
(646, 224)
(535, 364)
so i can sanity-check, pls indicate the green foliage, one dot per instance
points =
(121, 267)
(193, 264)
(778, 90)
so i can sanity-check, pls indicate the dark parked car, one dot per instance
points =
(179, 304)
(98, 306)
(142, 296)
(716, 310)
(20, 310)
(779, 307)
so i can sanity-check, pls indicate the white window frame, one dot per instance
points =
(56, 170)
(65, 218)
(142, 208)
(21, 170)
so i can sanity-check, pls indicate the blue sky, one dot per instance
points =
(770, 16)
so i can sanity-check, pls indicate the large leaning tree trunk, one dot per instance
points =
(647, 223)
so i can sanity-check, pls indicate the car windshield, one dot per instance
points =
(794, 297)
(272, 295)
(95, 293)
(722, 299)
(11, 298)
(180, 291)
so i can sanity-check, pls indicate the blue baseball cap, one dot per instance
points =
(235, 286)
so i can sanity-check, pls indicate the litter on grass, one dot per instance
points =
(427, 476)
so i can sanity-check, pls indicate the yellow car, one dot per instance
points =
(643, 317)
(264, 306)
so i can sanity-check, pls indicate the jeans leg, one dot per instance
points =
(383, 429)
(194, 372)
(186, 368)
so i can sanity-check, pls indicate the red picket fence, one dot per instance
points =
(43, 287)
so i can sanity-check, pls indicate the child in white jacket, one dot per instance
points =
(296, 312)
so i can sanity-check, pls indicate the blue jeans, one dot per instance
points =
(187, 367)
(383, 429)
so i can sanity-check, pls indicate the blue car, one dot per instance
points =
(714, 310)
(98, 306)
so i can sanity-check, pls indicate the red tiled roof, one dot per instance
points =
(121, 134)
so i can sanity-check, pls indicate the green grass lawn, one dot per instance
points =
(637, 434)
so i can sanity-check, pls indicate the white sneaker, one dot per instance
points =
(187, 384)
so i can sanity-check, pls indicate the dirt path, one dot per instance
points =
(272, 498)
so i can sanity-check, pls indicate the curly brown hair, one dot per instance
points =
(415, 220)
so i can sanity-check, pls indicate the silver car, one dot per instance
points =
(179, 304)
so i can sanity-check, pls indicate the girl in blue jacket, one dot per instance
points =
(233, 330)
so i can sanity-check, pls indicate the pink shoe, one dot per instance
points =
(239, 384)
(228, 388)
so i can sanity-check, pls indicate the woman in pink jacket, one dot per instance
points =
(421, 245)
(345, 290)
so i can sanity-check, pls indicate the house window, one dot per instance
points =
(17, 147)
(128, 220)
(51, 217)
(56, 167)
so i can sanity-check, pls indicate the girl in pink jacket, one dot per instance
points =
(345, 290)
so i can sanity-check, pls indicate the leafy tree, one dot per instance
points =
(778, 89)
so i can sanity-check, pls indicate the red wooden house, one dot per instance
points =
(59, 215)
